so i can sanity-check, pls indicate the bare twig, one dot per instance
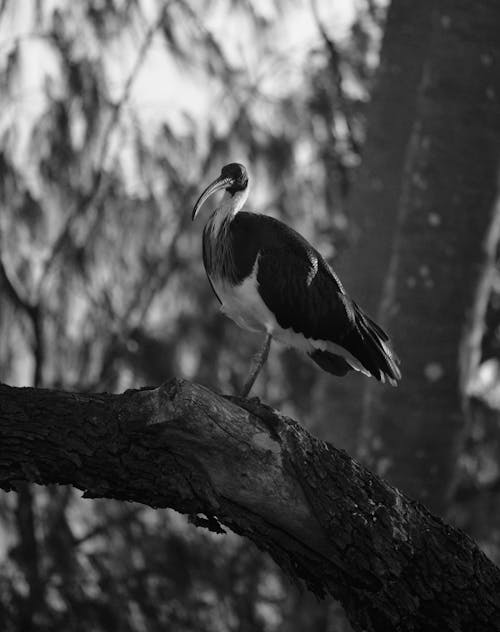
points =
(336, 60)
(106, 526)
(33, 312)
(13, 289)
(96, 188)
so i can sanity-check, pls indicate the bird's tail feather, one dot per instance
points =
(370, 345)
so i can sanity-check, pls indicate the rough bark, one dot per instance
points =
(373, 203)
(445, 216)
(325, 519)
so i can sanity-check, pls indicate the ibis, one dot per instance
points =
(269, 279)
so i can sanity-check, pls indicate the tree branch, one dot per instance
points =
(33, 312)
(325, 519)
(13, 290)
(91, 198)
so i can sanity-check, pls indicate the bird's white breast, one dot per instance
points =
(243, 304)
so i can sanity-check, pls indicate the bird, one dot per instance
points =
(269, 279)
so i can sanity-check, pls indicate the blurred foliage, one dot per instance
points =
(101, 274)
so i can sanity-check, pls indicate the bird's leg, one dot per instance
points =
(258, 362)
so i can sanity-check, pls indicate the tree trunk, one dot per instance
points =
(325, 519)
(445, 216)
(376, 190)
(373, 207)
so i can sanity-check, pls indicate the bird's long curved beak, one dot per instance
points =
(221, 183)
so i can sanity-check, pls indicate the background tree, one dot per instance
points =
(375, 187)
(446, 215)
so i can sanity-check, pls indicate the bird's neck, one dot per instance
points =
(230, 205)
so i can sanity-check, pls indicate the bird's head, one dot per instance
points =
(233, 178)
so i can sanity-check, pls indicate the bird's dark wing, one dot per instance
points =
(294, 280)
(305, 295)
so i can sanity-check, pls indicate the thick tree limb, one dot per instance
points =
(325, 519)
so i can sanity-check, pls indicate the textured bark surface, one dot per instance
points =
(446, 215)
(325, 519)
(373, 203)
